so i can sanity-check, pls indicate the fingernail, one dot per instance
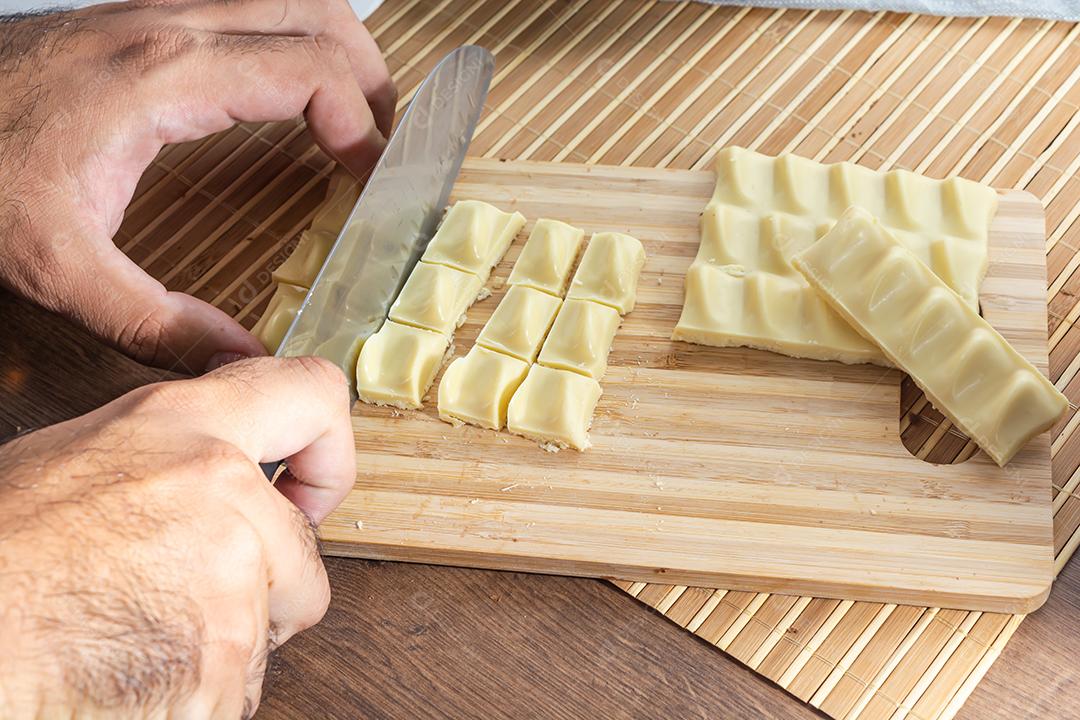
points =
(224, 358)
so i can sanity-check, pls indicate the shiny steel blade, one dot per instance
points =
(396, 214)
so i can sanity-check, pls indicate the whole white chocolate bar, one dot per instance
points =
(967, 370)
(554, 406)
(581, 338)
(435, 297)
(904, 201)
(397, 364)
(609, 271)
(765, 209)
(278, 316)
(520, 323)
(477, 388)
(473, 237)
(548, 256)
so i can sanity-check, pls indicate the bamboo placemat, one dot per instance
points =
(664, 84)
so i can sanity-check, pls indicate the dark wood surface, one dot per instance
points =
(412, 641)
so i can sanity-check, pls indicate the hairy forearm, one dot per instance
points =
(87, 625)
(146, 565)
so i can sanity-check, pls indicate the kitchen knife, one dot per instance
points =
(395, 215)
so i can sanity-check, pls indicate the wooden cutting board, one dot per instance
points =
(724, 467)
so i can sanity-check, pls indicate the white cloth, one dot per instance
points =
(1049, 9)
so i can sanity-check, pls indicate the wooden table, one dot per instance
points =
(408, 641)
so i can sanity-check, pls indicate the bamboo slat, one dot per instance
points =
(994, 100)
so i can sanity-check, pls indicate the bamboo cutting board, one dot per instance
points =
(730, 468)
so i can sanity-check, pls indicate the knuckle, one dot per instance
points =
(320, 600)
(312, 586)
(332, 51)
(252, 45)
(178, 398)
(223, 459)
(230, 476)
(203, 454)
(143, 335)
(320, 604)
(174, 399)
(154, 47)
(153, 397)
(235, 564)
(322, 371)
(42, 259)
(256, 675)
(317, 602)
(243, 547)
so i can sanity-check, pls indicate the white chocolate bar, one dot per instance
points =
(726, 306)
(765, 209)
(278, 316)
(548, 256)
(306, 259)
(581, 338)
(967, 370)
(397, 364)
(554, 406)
(609, 271)
(341, 196)
(435, 297)
(476, 389)
(731, 235)
(905, 201)
(473, 237)
(519, 324)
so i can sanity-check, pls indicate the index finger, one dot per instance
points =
(332, 18)
(296, 409)
(218, 80)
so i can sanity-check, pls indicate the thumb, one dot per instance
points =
(102, 289)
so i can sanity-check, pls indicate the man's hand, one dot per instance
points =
(146, 565)
(87, 98)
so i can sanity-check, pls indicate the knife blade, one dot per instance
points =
(395, 216)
